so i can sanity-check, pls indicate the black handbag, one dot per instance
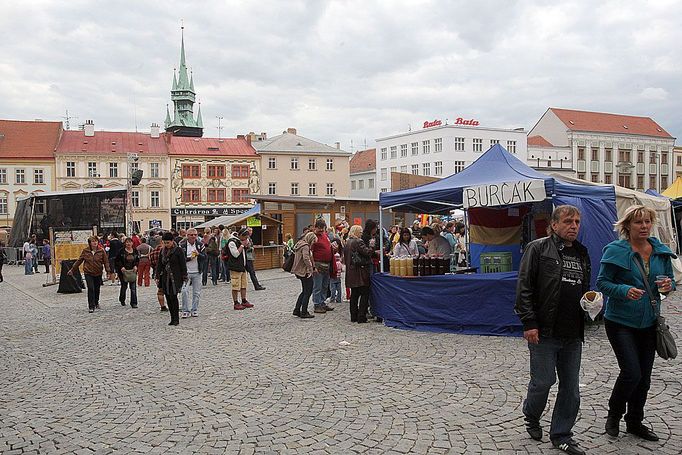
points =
(665, 343)
(289, 263)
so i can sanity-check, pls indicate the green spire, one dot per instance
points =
(167, 123)
(200, 123)
(175, 81)
(183, 80)
(191, 81)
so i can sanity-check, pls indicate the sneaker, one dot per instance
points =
(260, 288)
(328, 308)
(195, 314)
(571, 447)
(185, 314)
(534, 430)
(246, 304)
(123, 303)
(306, 315)
(327, 300)
(642, 431)
(133, 306)
(174, 323)
(91, 310)
(164, 308)
(239, 306)
(319, 309)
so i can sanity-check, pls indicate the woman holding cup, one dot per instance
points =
(630, 317)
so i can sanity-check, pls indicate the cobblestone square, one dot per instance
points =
(262, 381)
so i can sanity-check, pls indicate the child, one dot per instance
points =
(335, 281)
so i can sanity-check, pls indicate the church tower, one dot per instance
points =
(183, 96)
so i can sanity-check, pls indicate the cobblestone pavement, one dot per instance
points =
(261, 381)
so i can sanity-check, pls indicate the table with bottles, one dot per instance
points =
(425, 265)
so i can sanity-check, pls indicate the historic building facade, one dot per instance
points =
(363, 166)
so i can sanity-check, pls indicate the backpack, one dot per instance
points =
(289, 263)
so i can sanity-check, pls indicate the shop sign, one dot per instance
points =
(428, 124)
(253, 221)
(470, 122)
(505, 193)
(208, 211)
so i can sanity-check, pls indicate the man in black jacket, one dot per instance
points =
(553, 276)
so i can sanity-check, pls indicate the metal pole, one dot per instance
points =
(381, 240)
(466, 236)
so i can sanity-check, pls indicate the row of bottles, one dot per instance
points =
(422, 266)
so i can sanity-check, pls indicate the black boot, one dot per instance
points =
(642, 431)
(612, 426)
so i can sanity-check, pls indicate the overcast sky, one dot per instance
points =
(341, 70)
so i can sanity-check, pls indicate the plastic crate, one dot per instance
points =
(496, 262)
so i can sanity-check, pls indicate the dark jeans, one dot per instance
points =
(173, 307)
(252, 274)
(124, 288)
(47, 265)
(549, 358)
(93, 283)
(359, 301)
(224, 271)
(1, 278)
(635, 350)
(304, 296)
(214, 263)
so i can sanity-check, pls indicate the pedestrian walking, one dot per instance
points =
(47, 255)
(250, 267)
(213, 256)
(630, 268)
(170, 274)
(224, 269)
(303, 269)
(553, 276)
(28, 258)
(358, 258)
(115, 247)
(154, 262)
(94, 260)
(322, 261)
(126, 267)
(143, 268)
(193, 248)
(236, 247)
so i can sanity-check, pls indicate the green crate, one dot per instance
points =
(496, 262)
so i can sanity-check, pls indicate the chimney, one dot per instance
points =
(154, 130)
(89, 128)
(291, 130)
(338, 145)
(240, 136)
(248, 139)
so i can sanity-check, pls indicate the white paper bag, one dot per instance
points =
(592, 302)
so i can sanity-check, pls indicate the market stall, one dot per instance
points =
(507, 204)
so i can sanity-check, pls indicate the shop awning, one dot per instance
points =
(229, 220)
(674, 191)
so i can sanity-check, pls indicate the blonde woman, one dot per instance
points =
(357, 256)
(630, 317)
(303, 269)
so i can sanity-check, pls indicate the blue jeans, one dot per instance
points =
(335, 288)
(550, 358)
(194, 281)
(635, 350)
(28, 266)
(304, 296)
(214, 263)
(320, 286)
(124, 288)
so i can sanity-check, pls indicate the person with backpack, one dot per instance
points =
(303, 268)
(235, 251)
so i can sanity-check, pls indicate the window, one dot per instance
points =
(3, 204)
(70, 168)
(216, 171)
(624, 156)
(330, 189)
(330, 164)
(191, 171)
(415, 169)
(438, 168)
(403, 169)
(426, 168)
(679, 163)
(494, 142)
(607, 156)
(272, 188)
(607, 179)
(38, 177)
(240, 195)
(511, 146)
(19, 176)
(294, 189)
(294, 164)
(191, 195)
(135, 198)
(361, 184)
(393, 169)
(312, 189)
(403, 150)
(426, 147)
(216, 195)
(352, 184)
(272, 163)
(664, 160)
(581, 153)
(652, 181)
(595, 178)
(581, 176)
(595, 154)
(312, 164)
(459, 144)
(383, 153)
(394, 152)
(438, 145)
(155, 198)
(640, 157)
(383, 174)
(384, 190)
(640, 182)
(240, 171)
(652, 157)
(3, 175)
(415, 148)
(113, 170)
(370, 183)
(478, 145)
(664, 181)
(154, 170)
(134, 166)
(459, 166)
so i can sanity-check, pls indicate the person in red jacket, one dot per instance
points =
(323, 262)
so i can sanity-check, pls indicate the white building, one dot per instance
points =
(363, 175)
(634, 152)
(440, 150)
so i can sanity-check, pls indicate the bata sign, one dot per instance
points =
(458, 121)
(506, 193)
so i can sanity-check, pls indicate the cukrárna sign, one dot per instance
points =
(505, 193)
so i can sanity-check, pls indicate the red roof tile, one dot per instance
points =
(539, 141)
(28, 139)
(207, 146)
(609, 123)
(111, 142)
(363, 161)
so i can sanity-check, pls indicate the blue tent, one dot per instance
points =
(674, 202)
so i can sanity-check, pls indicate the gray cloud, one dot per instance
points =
(341, 70)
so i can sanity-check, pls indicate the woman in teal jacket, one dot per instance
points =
(630, 317)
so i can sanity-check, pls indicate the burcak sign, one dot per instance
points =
(505, 193)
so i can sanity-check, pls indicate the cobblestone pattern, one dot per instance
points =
(262, 381)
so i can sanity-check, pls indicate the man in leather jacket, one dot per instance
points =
(553, 276)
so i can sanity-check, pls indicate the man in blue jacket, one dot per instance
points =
(553, 276)
(194, 254)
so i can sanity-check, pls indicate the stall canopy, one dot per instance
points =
(674, 191)
(229, 220)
